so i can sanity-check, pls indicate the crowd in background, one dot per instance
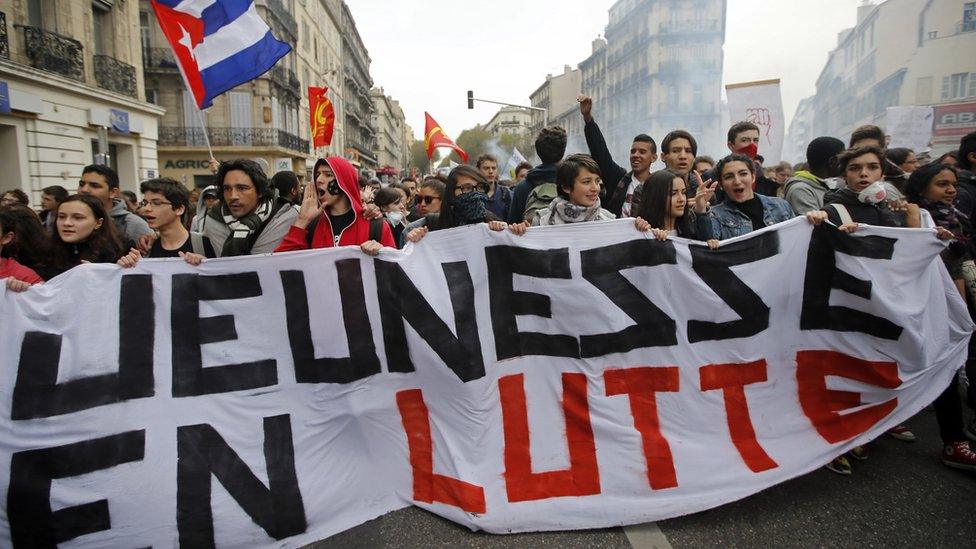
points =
(848, 185)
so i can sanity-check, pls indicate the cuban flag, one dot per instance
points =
(218, 44)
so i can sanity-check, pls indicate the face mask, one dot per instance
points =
(394, 217)
(750, 150)
(874, 193)
(470, 207)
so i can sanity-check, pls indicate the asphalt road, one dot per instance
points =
(901, 497)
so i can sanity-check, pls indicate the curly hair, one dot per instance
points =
(250, 168)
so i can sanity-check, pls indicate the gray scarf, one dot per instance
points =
(562, 211)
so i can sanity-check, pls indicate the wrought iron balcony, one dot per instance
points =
(280, 12)
(114, 75)
(54, 53)
(285, 79)
(4, 42)
(172, 136)
(159, 60)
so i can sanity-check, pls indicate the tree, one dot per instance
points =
(418, 156)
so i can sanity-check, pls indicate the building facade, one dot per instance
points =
(71, 94)
(265, 119)
(358, 106)
(556, 95)
(659, 70)
(389, 123)
(901, 52)
(510, 121)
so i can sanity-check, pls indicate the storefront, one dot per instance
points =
(951, 123)
(51, 127)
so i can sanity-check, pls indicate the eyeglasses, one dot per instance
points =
(465, 189)
(155, 203)
(426, 199)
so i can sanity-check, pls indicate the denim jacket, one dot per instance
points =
(729, 222)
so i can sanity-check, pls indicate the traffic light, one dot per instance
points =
(470, 99)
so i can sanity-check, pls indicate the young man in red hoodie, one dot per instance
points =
(331, 213)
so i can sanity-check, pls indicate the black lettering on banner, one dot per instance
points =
(714, 267)
(37, 392)
(189, 332)
(822, 276)
(362, 361)
(602, 267)
(276, 508)
(32, 522)
(400, 301)
(507, 304)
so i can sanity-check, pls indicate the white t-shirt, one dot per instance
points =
(625, 209)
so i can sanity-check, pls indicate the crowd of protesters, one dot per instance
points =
(694, 196)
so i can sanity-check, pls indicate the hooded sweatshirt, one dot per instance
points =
(355, 233)
(129, 225)
(196, 225)
(805, 192)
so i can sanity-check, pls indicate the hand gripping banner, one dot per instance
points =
(578, 376)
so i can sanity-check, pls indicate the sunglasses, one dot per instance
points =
(426, 199)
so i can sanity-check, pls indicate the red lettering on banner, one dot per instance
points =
(732, 379)
(640, 386)
(428, 486)
(822, 405)
(583, 476)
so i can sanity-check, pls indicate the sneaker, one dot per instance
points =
(902, 433)
(958, 456)
(841, 466)
(970, 430)
(859, 453)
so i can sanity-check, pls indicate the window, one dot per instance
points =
(945, 88)
(151, 96)
(972, 84)
(144, 36)
(923, 90)
(696, 96)
(42, 13)
(969, 17)
(305, 35)
(102, 28)
(957, 86)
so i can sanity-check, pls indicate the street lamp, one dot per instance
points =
(545, 112)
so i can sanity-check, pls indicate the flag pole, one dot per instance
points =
(206, 138)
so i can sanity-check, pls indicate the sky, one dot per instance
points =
(427, 53)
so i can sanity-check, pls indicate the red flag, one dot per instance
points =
(323, 116)
(434, 138)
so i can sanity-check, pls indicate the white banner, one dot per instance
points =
(909, 127)
(760, 103)
(579, 376)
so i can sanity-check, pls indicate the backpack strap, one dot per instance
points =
(197, 242)
(310, 231)
(376, 229)
(843, 213)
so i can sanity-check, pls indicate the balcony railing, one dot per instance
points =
(54, 53)
(159, 60)
(4, 42)
(689, 26)
(172, 136)
(281, 14)
(285, 79)
(114, 75)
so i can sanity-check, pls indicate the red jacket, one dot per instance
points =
(355, 234)
(10, 267)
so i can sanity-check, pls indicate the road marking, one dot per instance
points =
(646, 536)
